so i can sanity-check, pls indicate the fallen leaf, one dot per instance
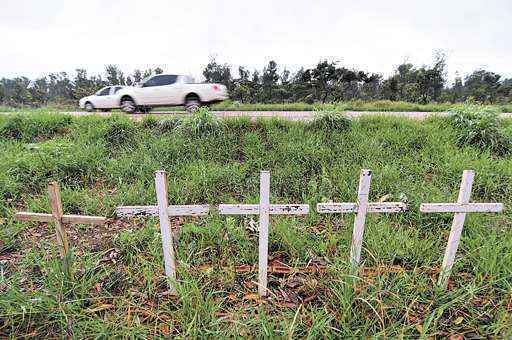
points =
(251, 296)
(165, 329)
(99, 308)
(232, 296)
(384, 198)
(97, 286)
(419, 328)
(309, 298)
(459, 320)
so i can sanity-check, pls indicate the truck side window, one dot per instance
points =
(105, 92)
(161, 80)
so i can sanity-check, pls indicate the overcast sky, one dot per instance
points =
(38, 37)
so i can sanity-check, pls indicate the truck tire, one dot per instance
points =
(89, 107)
(128, 105)
(192, 103)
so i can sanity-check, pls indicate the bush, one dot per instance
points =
(119, 131)
(168, 125)
(329, 121)
(31, 127)
(480, 126)
(202, 123)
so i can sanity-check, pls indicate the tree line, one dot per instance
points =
(328, 81)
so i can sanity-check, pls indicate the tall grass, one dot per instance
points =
(120, 287)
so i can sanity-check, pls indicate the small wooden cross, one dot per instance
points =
(460, 209)
(361, 208)
(264, 209)
(163, 210)
(57, 216)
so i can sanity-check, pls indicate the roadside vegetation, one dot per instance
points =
(229, 105)
(120, 289)
(409, 88)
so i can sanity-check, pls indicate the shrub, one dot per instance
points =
(119, 131)
(202, 123)
(28, 128)
(149, 122)
(168, 125)
(480, 126)
(329, 121)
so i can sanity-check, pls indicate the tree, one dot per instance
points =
(269, 80)
(482, 86)
(217, 73)
(114, 75)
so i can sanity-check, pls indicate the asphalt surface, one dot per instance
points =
(291, 115)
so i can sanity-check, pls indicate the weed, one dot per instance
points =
(202, 123)
(119, 131)
(329, 121)
(482, 127)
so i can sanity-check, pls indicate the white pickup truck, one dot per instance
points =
(169, 90)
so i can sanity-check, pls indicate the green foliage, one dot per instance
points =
(28, 128)
(482, 127)
(119, 131)
(120, 290)
(168, 125)
(327, 82)
(330, 121)
(202, 123)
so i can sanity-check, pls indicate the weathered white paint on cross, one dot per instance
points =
(264, 209)
(57, 216)
(361, 208)
(163, 210)
(460, 209)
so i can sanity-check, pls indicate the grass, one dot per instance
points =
(119, 288)
(354, 105)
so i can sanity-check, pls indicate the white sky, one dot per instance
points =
(42, 36)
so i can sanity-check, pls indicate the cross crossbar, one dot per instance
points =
(254, 209)
(461, 207)
(66, 219)
(172, 210)
(384, 207)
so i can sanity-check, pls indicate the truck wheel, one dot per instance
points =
(128, 105)
(89, 107)
(192, 104)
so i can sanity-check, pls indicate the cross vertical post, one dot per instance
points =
(458, 223)
(57, 213)
(460, 209)
(359, 221)
(165, 228)
(263, 232)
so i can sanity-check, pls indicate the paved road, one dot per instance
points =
(291, 115)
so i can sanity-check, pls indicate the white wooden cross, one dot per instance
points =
(163, 210)
(460, 209)
(57, 216)
(361, 208)
(264, 209)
